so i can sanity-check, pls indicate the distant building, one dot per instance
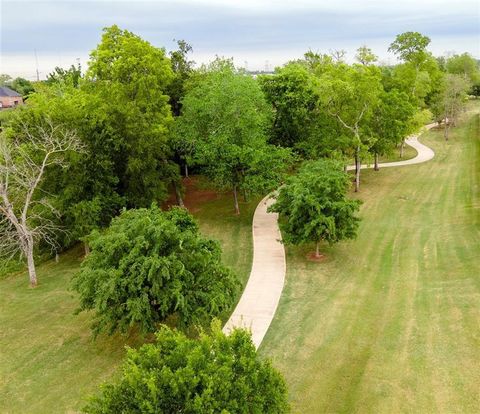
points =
(9, 98)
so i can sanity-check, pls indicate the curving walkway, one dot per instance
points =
(261, 296)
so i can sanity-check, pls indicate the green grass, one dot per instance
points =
(408, 153)
(48, 360)
(389, 322)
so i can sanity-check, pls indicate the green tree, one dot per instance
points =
(225, 116)
(313, 206)
(71, 76)
(182, 69)
(464, 65)
(468, 67)
(365, 56)
(392, 121)
(292, 93)
(23, 86)
(150, 265)
(213, 374)
(419, 75)
(410, 47)
(350, 94)
(5, 79)
(127, 79)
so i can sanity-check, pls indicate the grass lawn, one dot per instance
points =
(408, 153)
(48, 361)
(390, 322)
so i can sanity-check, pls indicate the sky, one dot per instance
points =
(258, 34)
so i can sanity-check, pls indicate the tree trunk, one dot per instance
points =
(445, 131)
(57, 257)
(186, 170)
(235, 199)
(32, 273)
(245, 195)
(357, 170)
(178, 194)
(86, 248)
(317, 250)
(376, 167)
(402, 147)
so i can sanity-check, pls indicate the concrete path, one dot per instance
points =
(259, 301)
(424, 153)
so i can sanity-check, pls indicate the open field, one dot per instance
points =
(390, 322)
(48, 361)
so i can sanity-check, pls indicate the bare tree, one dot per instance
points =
(453, 100)
(338, 55)
(24, 209)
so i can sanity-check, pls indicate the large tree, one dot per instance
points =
(127, 78)
(225, 117)
(150, 265)
(25, 211)
(350, 94)
(213, 374)
(293, 95)
(392, 120)
(313, 206)
(419, 75)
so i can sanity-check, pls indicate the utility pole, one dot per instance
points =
(36, 63)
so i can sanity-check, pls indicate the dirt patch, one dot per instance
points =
(312, 258)
(195, 194)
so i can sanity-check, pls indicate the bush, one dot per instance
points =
(149, 265)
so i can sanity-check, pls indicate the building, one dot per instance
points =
(9, 98)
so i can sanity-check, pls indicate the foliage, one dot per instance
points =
(313, 206)
(393, 119)
(126, 79)
(365, 56)
(182, 69)
(466, 66)
(149, 265)
(299, 122)
(23, 86)
(5, 79)
(350, 94)
(213, 374)
(225, 117)
(70, 76)
(410, 47)
(451, 100)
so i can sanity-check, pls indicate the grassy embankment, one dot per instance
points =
(390, 322)
(48, 360)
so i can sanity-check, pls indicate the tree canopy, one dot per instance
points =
(213, 374)
(150, 265)
(225, 118)
(313, 206)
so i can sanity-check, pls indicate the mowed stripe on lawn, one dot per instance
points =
(390, 322)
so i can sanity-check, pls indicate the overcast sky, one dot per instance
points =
(262, 32)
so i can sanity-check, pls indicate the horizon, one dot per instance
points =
(257, 35)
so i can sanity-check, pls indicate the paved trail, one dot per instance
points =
(259, 301)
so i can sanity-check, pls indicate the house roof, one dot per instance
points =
(5, 91)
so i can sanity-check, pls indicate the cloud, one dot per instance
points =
(247, 29)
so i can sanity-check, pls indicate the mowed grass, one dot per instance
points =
(390, 322)
(49, 362)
